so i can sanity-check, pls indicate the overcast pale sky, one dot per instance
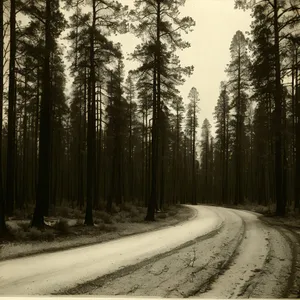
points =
(216, 23)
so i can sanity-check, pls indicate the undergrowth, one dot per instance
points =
(66, 221)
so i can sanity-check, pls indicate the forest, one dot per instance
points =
(118, 138)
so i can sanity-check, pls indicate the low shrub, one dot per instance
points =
(49, 236)
(98, 221)
(172, 213)
(19, 214)
(64, 212)
(106, 227)
(110, 228)
(35, 234)
(102, 205)
(24, 226)
(77, 214)
(162, 215)
(107, 218)
(62, 226)
(137, 219)
(79, 222)
(20, 235)
(141, 209)
(100, 226)
(114, 208)
(126, 206)
(134, 212)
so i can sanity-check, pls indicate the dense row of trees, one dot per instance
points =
(256, 151)
(117, 137)
(129, 137)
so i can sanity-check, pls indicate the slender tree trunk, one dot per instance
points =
(3, 227)
(297, 142)
(43, 186)
(239, 195)
(36, 126)
(194, 201)
(99, 148)
(25, 173)
(280, 194)
(10, 177)
(130, 150)
(91, 128)
(162, 175)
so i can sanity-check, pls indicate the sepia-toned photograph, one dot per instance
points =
(150, 149)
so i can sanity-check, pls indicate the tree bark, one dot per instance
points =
(3, 227)
(10, 180)
(43, 185)
(280, 194)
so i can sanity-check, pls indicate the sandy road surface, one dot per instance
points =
(220, 253)
(244, 258)
(47, 273)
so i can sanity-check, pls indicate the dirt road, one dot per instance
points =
(220, 253)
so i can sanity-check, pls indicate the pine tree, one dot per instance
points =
(281, 15)
(238, 72)
(2, 202)
(192, 124)
(222, 141)
(205, 161)
(53, 26)
(160, 19)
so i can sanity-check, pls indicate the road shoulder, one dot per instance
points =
(95, 235)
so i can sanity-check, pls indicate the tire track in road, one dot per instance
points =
(62, 270)
(88, 287)
(247, 263)
(294, 291)
(278, 278)
(222, 252)
(243, 258)
(171, 275)
(292, 235)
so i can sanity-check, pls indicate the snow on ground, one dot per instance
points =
(220, 253)
(250, 260)
(47, 273)
(245, 258)
(83, 236)
(277, 269)
(180, 273)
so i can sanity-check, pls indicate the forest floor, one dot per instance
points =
(69, 232)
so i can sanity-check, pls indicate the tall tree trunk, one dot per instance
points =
(152, 203)
(43, 185)
(25, 173)
(194, 156)
(239, 196)
(130, 151)
(280, 194)
(162, 175)
(90, 134)
(10, 180)
(3, 228)
(297, 142)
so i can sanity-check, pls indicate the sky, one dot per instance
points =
(216, 23)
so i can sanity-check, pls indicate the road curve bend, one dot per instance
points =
(244, 258)
(46, 273)
(219, 253)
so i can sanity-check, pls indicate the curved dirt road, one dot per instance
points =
(220, 253)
